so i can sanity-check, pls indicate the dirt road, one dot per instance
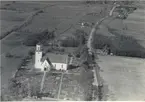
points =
(97, 77)
(96, 26)
(90, 48)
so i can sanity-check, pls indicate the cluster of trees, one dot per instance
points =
(96, 1)
(134, 53)
(16, 90)
(31, 52)
(32, 40)
(81, 36)
(120, 45)
(23, 86)
(77, 38)
(127, 2)
(127, 46)
(25, 60)
(20, 88)
(69, 42)
(124, 11)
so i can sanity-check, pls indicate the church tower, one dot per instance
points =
(38, 56)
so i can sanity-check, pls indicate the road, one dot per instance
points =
(96, 26)
(90, 48)
(97, 78)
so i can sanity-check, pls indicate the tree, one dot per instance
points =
(9, 55)
(31, 52)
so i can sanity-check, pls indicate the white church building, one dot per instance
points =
(58, 61)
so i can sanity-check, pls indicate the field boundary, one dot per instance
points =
(24, 24)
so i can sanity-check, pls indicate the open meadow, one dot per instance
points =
(123, 78)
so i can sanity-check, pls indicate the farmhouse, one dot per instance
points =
(50, 60)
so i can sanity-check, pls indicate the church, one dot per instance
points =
(50, 60)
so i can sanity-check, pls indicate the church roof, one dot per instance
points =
(55, 58)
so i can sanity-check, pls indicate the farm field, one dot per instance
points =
(134, 25)
(62, 17)
(129, 32)
(11, 19)
(123, 78)
(22, 6)
(10, 65)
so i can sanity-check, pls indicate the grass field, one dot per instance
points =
(12, 45)
(129, 34)
(11, 19)
(22, 6)
(123, 78)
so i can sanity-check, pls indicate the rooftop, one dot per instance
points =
(56, 58)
